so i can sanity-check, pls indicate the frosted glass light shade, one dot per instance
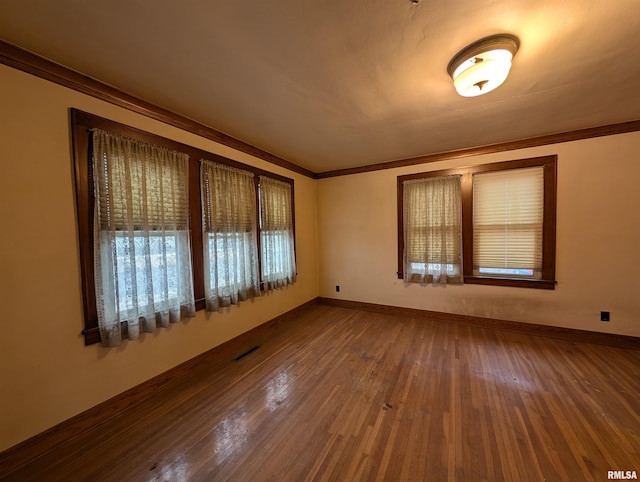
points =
(483, 75)
(483, 66)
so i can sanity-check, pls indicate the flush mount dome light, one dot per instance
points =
(483, 65)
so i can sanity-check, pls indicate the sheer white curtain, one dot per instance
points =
(230, 235)
(142, 255)
(432, 210)
(276, 233)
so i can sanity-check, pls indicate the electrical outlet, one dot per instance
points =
(337, 289)
(604, 316)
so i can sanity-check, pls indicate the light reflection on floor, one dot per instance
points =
(230, 434)
(277, 390)
(508, 380)
(176, 471)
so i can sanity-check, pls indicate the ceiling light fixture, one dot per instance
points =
(484, 65)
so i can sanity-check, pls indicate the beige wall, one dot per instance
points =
(46, 373)
(598, 242)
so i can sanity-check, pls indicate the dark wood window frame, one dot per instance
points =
(549, 163)
(81, 125)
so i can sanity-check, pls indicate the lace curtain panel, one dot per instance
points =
(142, 258)
(276, 234)
(229, 235)
(432, 210)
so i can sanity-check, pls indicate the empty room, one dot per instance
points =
(320, 240)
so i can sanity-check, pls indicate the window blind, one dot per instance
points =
(508, 211)
(276, 234)
(140, 185)
(229, 235)
(229, 199)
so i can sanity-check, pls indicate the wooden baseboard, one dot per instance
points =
(38, 445)
(571, 334)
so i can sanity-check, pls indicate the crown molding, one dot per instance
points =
(608, 130)
(31, 63)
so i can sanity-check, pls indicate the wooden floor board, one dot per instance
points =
(341, 394)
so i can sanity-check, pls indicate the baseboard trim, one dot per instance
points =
(34, 447)
(38, 445)
(571, 334)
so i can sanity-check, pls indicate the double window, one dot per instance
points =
(166, 229)
(232, 264)
(488, 224)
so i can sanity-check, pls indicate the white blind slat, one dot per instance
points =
(508, 209)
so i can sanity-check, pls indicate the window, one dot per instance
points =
(508, 215)
(276, 233)
(142, 239)
(507, 222)
(230, 241)
(432, 230)
(148, 239)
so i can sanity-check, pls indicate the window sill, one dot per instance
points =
(91, 336)
(512, 282)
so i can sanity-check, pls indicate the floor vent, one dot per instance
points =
(248, 352)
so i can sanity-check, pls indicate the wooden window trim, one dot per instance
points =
(549, 163)
(81, 123)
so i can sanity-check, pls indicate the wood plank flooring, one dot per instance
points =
(338, 394)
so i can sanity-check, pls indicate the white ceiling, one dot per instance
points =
(332, 84)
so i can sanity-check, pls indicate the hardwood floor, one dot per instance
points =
(341, 394)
